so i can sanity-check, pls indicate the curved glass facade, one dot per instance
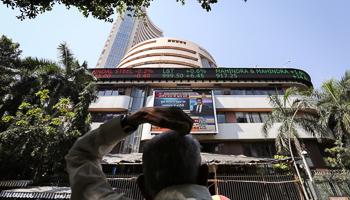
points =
(119, 45)
(205, 63)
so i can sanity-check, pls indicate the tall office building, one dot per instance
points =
(124, 35)
(176, 72)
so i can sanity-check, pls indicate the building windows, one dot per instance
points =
(221, 117)
(108, 91)
(217, 91)
(249, 91)
(119, 45)
(259, 149)
(256, 91)
(251, 117)
(177, 41)
(205, 62)
(102, 116)
(264, 116)
(254, 117)
(241, 117)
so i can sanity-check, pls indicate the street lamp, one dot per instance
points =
(284, 65)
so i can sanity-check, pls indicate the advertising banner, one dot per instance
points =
(198, 104)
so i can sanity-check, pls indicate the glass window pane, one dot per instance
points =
(272, 91)
(254, 118)
(101, 92)
(248, 91)
(264, 117)
(280, 91)
(115, 115)
(108, 117)
(100, 117)
(241, 92)
(93, 117)
(263, 91)
(241, 117)
(205, 63)
(217, 92)
(256, 91)
(309, 162)
(108, 92)
(115, 92)
(221, 117)
(234, 92)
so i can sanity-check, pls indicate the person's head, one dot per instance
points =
(199, 101)
(171, 159)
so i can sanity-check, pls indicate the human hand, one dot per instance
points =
(167, 117)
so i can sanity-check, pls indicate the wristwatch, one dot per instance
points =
(126, 127)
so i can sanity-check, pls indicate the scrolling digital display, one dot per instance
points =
(203, 74)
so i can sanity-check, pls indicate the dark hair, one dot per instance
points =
(199, 99)
(170, 159)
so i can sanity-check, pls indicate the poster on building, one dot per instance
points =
(198, 104)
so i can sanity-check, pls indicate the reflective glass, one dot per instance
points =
(108, 92)
(217, 92)
(254, 118)
(272, 91)
(280, 91)
(115, 92)
(101, 92)
(93, 117)
(234, 92)
(237, 91)
(264, 117)
(241, 117)
(100, 117)
(205, 63)
(221, 117)
(108, 117)
(248, 91)
(120, 42)
(256, 91)
(263, 91)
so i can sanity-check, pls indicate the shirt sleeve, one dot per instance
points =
(83, 162)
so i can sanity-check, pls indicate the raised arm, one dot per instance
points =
(83, 160)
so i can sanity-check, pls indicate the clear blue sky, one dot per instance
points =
(313, 34)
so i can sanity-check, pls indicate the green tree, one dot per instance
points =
(9, 62)
(282, 167)
(333, 108)
(69, 80)
(33, 140)
(284, 108)
(32, 145)
(98, 9)
(340, 156)
(18, 78)
(80, 120)
(23, 77)
(36, 142)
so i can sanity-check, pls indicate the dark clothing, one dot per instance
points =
(204, 111)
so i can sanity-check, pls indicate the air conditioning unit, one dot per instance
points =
(121, 91)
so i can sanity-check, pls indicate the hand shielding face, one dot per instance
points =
(166, 117)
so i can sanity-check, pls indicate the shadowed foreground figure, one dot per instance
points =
(171, 161)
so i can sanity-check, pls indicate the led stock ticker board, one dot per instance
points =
(203, 74)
